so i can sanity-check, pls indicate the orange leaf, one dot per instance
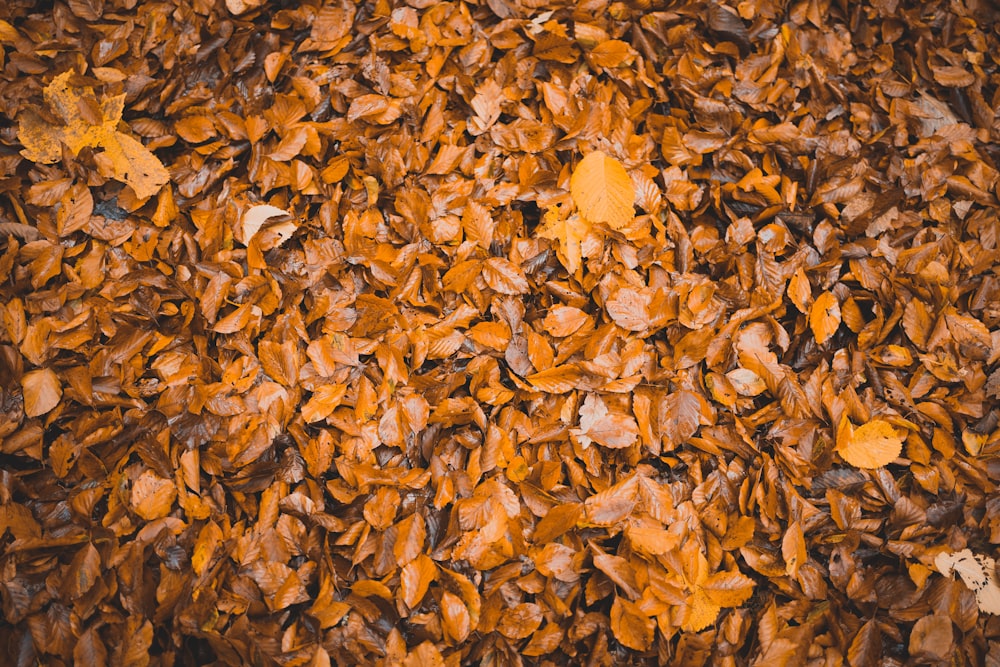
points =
(793, 549)
(41, 391)
(414, 580)
(824, 317)
(561, 321)
(602, 190)
(569, 233)
(410, 539)
(598, 424)
(455, 617)
(631, 627)
(613, 53)
(630, 309)
(504, 277)
(555, 380)
(153, 496)
(799, 290)
(873, 445)
(128, 160)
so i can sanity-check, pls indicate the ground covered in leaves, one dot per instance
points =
(482, 332)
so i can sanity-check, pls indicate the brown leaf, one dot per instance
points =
(42, 391)
(520, 621)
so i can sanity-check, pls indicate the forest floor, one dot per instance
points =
(476, 332)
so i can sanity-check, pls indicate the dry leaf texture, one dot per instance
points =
(474, 332)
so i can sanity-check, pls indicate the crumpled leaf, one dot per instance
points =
(256, 217)
(129, 161)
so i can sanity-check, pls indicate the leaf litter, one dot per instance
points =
(415, 333)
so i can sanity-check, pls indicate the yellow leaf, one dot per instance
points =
(873, 445)
(569, 233)
(793, 549)
(710, 592)
(602, 190)
(126, 158)
(702, 612)
(824, 317)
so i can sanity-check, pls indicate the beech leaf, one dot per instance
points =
(41, 390)
(872, 445)
(978, 573)
(824, 317)
(602, 190)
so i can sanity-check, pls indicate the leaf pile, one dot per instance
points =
(483, 332)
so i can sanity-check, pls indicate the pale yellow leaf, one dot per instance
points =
(978, 573)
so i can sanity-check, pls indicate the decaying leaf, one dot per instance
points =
(390, 361)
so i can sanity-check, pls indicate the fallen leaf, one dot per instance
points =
(978, 573)
(569, 232)
(130, 161)
(41, 390)
(872, 445)
(824, 317)
(602, 190)
(256, 217)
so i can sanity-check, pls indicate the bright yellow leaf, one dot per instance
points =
(709, 593)
(568, 233)
(126, 158)
(824, 317)
(872, 445)
(602, 190)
